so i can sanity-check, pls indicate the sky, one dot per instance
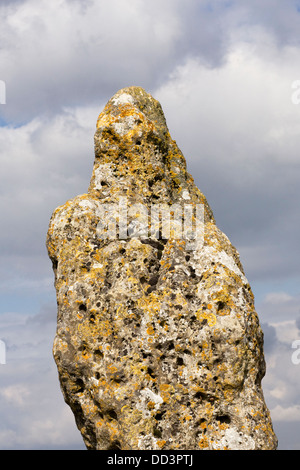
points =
(225, 73)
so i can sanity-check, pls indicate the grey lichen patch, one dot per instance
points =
(158, 346)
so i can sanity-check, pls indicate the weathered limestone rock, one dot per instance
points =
(158, 344)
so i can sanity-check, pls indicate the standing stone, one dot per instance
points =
(158, 345)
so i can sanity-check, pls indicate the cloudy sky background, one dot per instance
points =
(224, 74)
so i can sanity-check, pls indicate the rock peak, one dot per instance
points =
(138, 98)
(158, 344)
(135, 155)
(131, 112)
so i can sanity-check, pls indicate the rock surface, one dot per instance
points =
(158, 344)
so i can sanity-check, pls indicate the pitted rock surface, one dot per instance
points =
(158, 344)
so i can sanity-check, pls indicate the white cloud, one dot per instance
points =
(15, 394)
(291, 413)
(286, 331)
(245, 104)
(44, 163)
(281, 310)
(90, 49)
(281, 384)
(239, 132)
(278, 297)
(282, 381)
(33, 413)
(71, 57)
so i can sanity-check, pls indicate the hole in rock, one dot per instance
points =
(223, 419)
(178, 307)
(202, 425)
(153, 265)
(151, 289)
(200, 395)
(157, 432)
(187, 351)
(151, 372)
(159, 415)
(79, 386)
(201, 421)
(154, 243)
(154, 280)
(83, 348)
(119, 377)
(221, 305)
(54, 264)
(98, 354)
(189, 296)
(82, 307)
(112, 414)
(115, 445)
(179, 361)
(193, 272)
